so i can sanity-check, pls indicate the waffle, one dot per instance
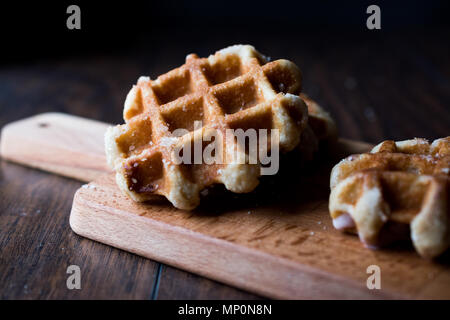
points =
(236, 88)
(321, 129)
(319, 120)
(398, 190)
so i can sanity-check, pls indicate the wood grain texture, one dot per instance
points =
(277, 241)
(72, 146)
(179, 284)
(37, 245)
(67, 145)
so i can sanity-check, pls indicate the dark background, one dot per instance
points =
(38, 28)
(392, 83)
(366, 78)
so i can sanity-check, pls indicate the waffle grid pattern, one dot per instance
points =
(237, 88)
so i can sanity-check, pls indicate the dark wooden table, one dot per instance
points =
(376, 85)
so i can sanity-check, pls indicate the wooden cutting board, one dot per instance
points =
(277, 241)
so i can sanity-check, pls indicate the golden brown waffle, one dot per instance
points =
(319, 120)
(397, 186)
(321, 128)
(236, 88)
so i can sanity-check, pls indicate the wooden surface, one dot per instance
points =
(277, 241)
(66, 145)
(376, 85)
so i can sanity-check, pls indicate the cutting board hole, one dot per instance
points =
(43, 125)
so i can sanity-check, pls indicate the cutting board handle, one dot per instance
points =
(63, 144)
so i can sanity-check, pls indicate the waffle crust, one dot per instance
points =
(236, 88)
(396, 185)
